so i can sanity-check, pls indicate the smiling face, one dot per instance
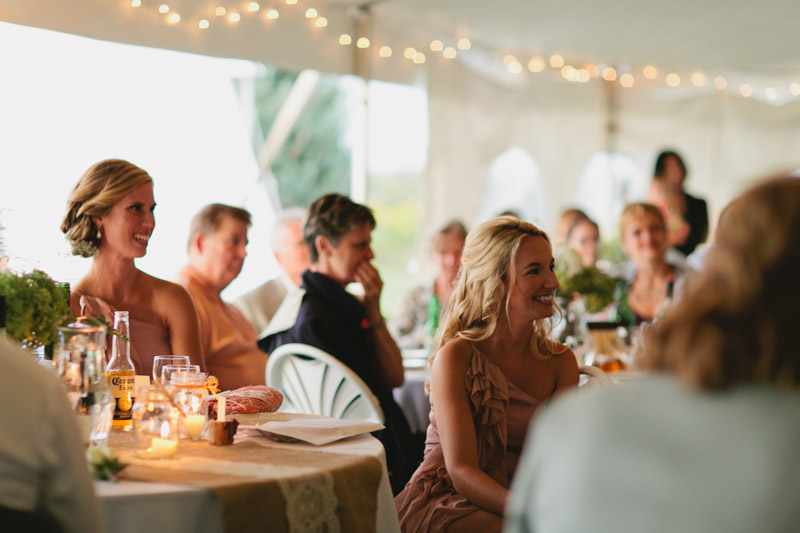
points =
(221, 254)
(534, 281)
(127, 228)
(341, 262)
(644, 239)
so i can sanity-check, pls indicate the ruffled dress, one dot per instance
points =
(502, 412)
(147, 340)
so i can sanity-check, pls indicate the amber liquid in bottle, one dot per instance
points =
(121, 374)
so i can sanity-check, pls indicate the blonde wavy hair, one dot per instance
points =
(738, 320)
(488, 259)
(97, 191)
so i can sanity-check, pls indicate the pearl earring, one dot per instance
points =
(98, 234)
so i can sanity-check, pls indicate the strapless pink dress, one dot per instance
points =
(147, 340)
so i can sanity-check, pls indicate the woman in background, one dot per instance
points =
(416, 321)
(110, 217)
(650, 281)
(712, 443)
(494, 367)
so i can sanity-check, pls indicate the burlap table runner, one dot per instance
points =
(246, 479)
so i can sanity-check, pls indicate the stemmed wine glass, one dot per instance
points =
(168, 370)
(160, 361)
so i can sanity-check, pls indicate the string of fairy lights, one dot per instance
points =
(535, 64)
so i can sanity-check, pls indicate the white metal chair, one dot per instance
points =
(314, 382)
(590, 376)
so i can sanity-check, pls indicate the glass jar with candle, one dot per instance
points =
(156, 426)
(190, 395)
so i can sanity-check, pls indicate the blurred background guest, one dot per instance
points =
(583, 236)
(217, 250)
(417, 319)
(649, 281)
(565, 221)
(494, 367)
(291, 252)
(711, 442)
(338, 233)
(110, 216)
(686, 215)
(44, 479)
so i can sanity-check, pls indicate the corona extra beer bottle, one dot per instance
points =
(120, 371)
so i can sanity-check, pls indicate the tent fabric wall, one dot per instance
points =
(727, 142)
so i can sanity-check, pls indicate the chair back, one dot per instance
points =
(314, 382)
(591, 376)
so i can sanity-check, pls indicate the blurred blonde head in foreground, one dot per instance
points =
(738, 320)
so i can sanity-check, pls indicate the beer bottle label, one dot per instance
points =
(122, 390)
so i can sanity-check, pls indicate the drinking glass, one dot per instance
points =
(167, 371)
(188, 389)
(160, 361)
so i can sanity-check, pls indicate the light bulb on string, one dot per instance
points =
(345, 39)
(437, 45)
(698, 79)
(464, 44)
(253, 7)
(385, 51)
(770, 93)
(673, 80)
(273, 14)
(720, 83)
(746, 90)
(556, 61)
(362, 42)
(321, 22)
(794, 88)
(626, 80)
(536, 65)
(163, 8)
(419, 58)
(409, 53)
(650, 72)
(203, 24)
(220, 11)
(609, 74)
(234, 17)
(136, 3)
(449, 53)
(174, 18)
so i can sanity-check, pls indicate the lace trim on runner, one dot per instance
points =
(311, 504)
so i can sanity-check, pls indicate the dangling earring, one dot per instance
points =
(98, 234)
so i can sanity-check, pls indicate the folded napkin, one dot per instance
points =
(253, 399)
(317, 431)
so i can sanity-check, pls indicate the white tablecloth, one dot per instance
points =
(145, 507)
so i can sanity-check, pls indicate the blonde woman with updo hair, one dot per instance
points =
(110, 217)
(493, 368)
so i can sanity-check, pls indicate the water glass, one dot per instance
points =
(167, 371)
(156, 427)
(189, 392)
(160, 361)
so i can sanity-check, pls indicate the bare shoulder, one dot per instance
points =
(453, 358)
(168, 291)
(566, 367)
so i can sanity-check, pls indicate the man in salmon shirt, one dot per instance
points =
(217, 249)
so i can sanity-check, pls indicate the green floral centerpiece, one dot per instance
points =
(592, 285)
(34, 303)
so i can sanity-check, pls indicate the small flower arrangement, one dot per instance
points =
(34, 304)
(103, 464)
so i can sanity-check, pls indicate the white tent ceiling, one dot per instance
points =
(735, 114)
(719, 37)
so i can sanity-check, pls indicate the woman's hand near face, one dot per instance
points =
(369, 278)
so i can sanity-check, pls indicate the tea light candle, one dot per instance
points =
(221, 408)
(194, 425)
(161, 449)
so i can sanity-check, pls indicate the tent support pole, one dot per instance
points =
(358, 155)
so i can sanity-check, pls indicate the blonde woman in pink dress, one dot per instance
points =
(494, 367)
(110, 216)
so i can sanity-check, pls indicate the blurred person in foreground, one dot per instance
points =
(649, 282)
(110, 217)
(494, 367)
(291, 253)
(711, 442)
(217, 250)
(417, 319)
(44, 478)
(338, 233)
